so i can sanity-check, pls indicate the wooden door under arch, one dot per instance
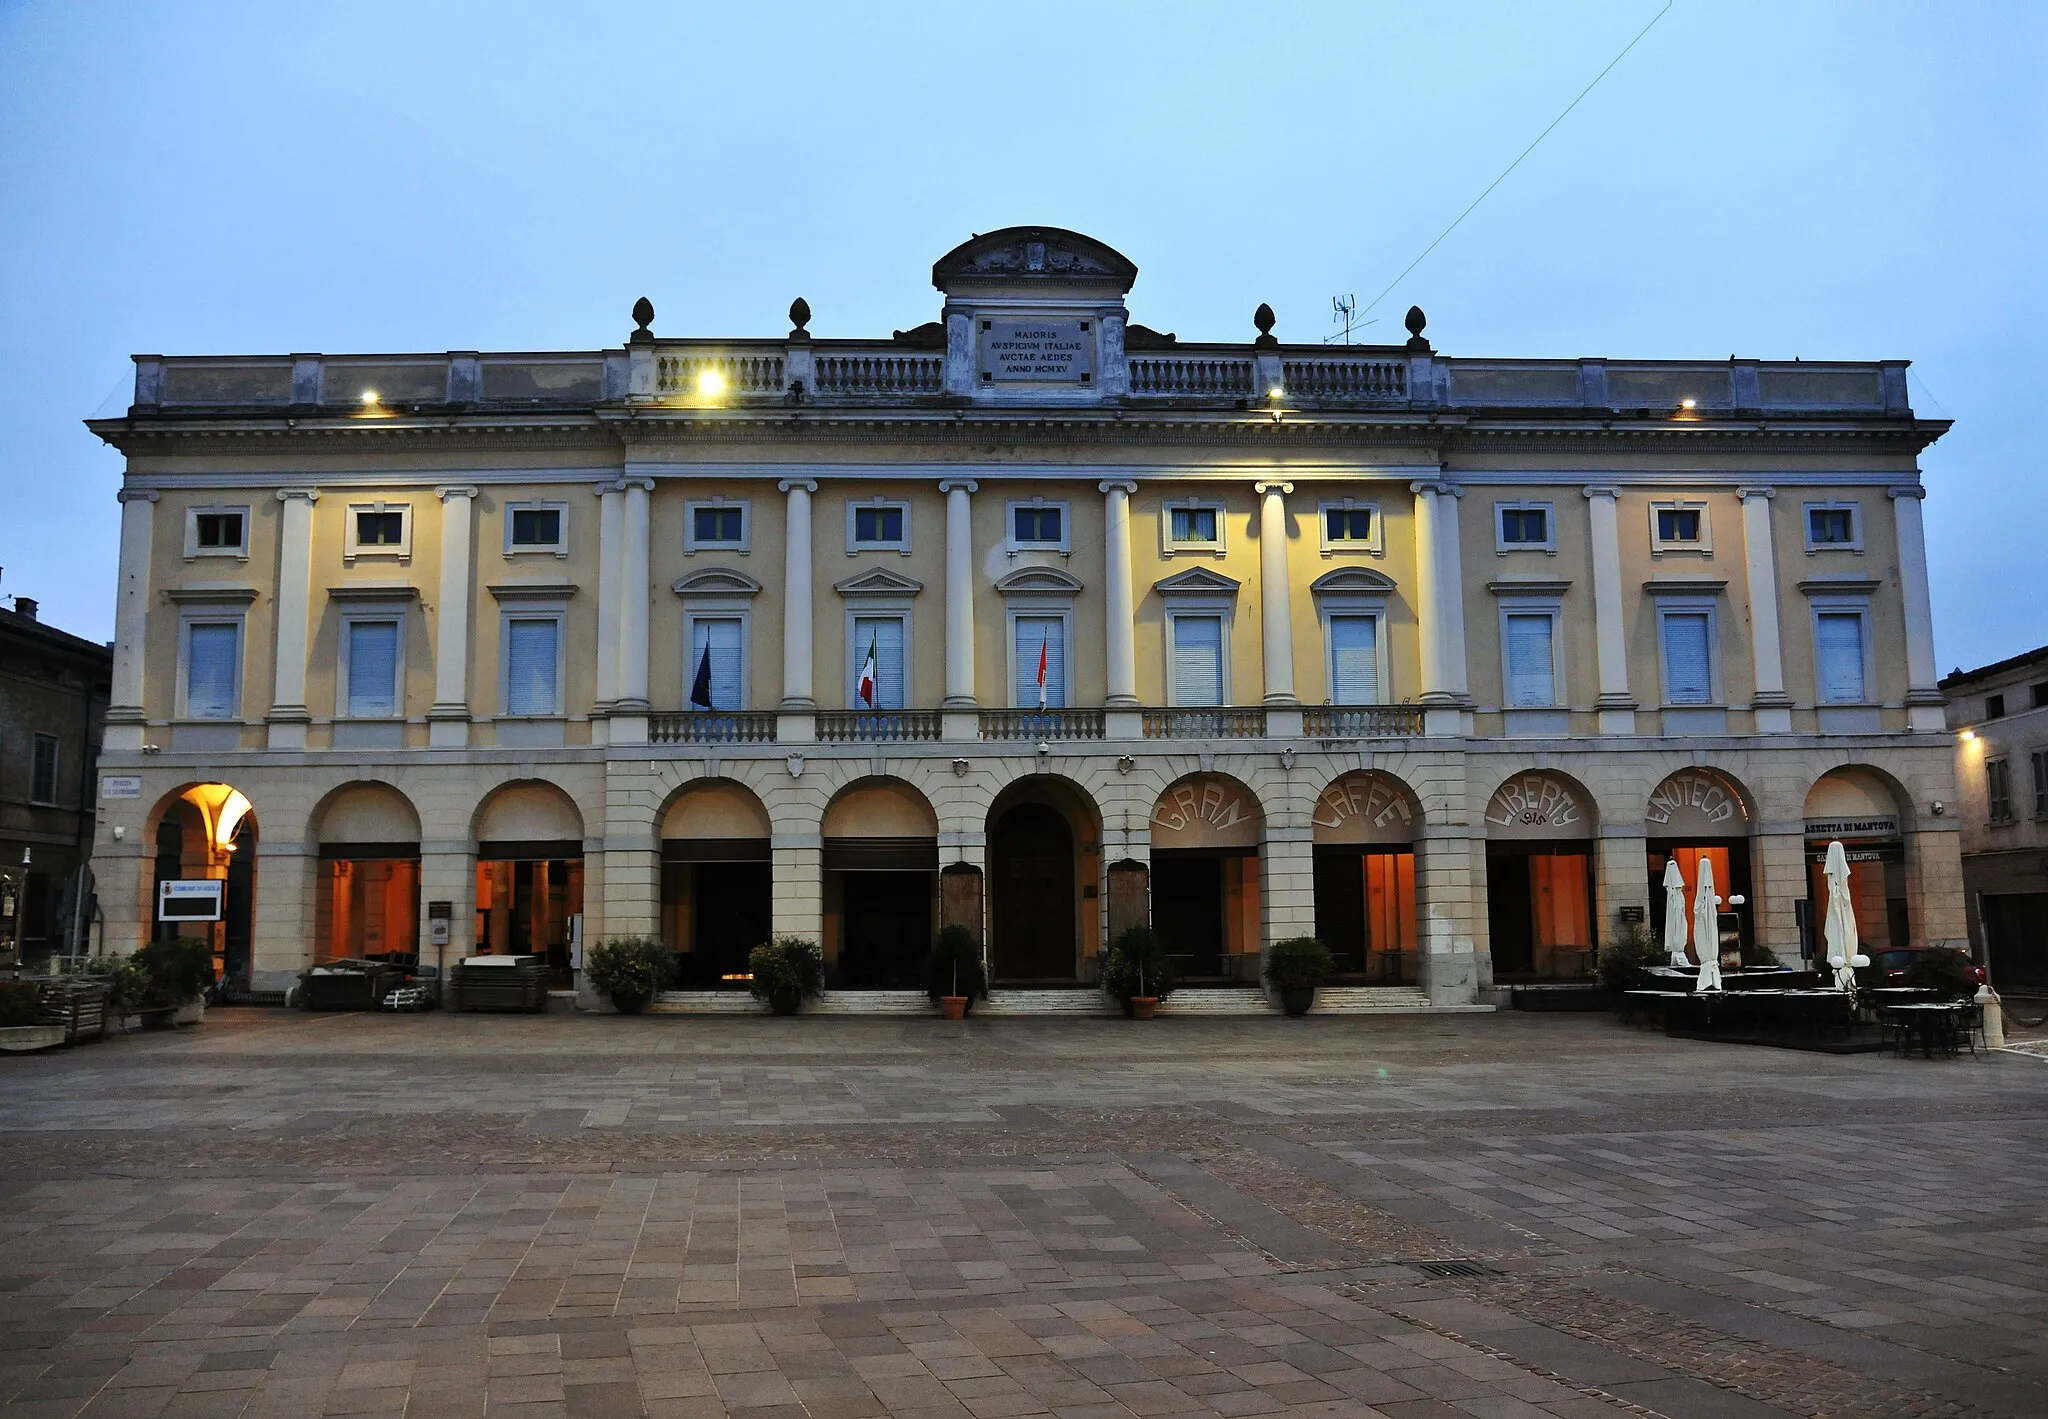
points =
(1031, 906)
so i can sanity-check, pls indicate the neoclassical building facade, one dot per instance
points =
(1030, 619)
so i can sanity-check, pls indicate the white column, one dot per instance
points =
(1772, 705)
(1924, 699)
(1276, 619)
(448, 720)
(1119, 611)
(1617, 707)
(1428, 595)
(633, 595)
(1450, 571)
(611, 526)
(131, 623)
(797, 698)
(959, 593)
(1440, 607)
(288, 714)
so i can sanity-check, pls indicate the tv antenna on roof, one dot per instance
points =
(1344, 311)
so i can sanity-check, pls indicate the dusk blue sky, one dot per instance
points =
(1830, 181)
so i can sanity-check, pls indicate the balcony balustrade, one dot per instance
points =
(1361, 721)
(712, 727)
(742, 373)
(884, 726)
(1205, 723)
(1196, 377)
(875, 375)
(1046, 724)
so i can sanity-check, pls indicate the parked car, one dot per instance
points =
(1898, 962)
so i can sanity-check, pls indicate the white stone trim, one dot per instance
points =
(558, 548)
(901, 544)
(1849, 505)
(351, 550)
(1661, 546)
(1169, 548)
(1375, 542)
(1502, 546)
(192, 515)
(1063, 544)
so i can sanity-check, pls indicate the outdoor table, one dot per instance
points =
(1931, 1023)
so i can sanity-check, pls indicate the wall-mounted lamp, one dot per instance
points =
(1968, 736)
(710, 384)
(369, 398)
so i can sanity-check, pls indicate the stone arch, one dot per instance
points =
(713, 808)
(879, 807)
(216, 839)
(528, 810)
(1044, 853)
(1540, 803)
(1207, 832)
(1851, 793)
(1870, 813)
(1366, 806)
(1207, 810)
(365, 811)
(1699, 802)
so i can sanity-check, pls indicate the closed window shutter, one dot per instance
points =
(1532, 673)
(1688, 665)
(1839, 641)
(373, 669)
(211, 653)
(1047, 634)
(1354, 660)
(1198, 660)
(723, 636)
(885, 633)
(530, 667)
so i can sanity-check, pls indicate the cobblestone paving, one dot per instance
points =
(281, 1214)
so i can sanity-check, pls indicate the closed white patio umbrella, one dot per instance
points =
(1839, 930)
(1706, 928)
(1674, 913)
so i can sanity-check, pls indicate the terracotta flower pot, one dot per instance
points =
(953, 1007)
(1143, 1006)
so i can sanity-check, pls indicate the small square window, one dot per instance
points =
(536, 527)
(1678, 524)
(1830, 526)
(1348, 524)
(1194, 524)
(1036, 526)
(878, 526)
(380, 529)
(1525, 525)
(2039, 695)
(218, 531)
(1994, 707)
(716, 525)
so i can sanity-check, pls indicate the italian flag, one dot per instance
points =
(1042, 648)
(867, 676)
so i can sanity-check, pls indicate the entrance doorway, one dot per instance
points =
(887, 931)
(1539, 910)
(1365, 912)
(529, 905)
(713, 914)
(209, 831)
(1205, 910)
(1031, 881)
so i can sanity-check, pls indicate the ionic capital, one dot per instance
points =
(792, 485)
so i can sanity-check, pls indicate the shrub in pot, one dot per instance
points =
(19, 1000)
(953, 974)
(1633, 950)
(632, 970)
(785, 971)
(176, 972)
(1136, 972)
(1295, 967)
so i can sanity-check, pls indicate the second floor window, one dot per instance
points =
(1688, 657)
(537, 527)
(1838, 657)
(1831, 526)
(43, 779)
(1036, 526)
(1192, 526)
(1525, 526)
(1355, 660)
(1531, 659)
(372, 669)
(1994, 707)
(532, 660)
(213, 653)
(716, 664)
(1347, 524)
(1041, 660)
(1998, 790)
(1681, 524)
(717, 526)
(878, 526)
(217, 531)
(877, 668)
(380, 529)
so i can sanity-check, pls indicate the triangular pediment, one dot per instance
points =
(1353, 581)
(1197, 581)
(1043, 581)
(879, 581)
(717, 581)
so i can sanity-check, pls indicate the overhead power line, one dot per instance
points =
(1523, 154)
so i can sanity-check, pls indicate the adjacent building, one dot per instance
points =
(53, 695)
(2000, 713)
(1030, 618)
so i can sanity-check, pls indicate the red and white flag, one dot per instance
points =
(1043, 646)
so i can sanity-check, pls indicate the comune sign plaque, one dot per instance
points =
(1037, 352)
(194, 899)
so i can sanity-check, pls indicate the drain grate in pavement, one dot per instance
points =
(1451, 1268)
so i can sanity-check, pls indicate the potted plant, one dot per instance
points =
(20, 1003)
(1137, 973)
(1633, 949)
(175, 974)
(1295, 967)
(953, 974)
(632, 970)
(785, 971)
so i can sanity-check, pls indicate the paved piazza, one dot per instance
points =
(288, 1214)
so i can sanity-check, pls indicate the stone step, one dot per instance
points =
(1188, 1000)
(1044, 1002)
(1223, 1000)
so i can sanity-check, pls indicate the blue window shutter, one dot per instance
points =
(1838, 643)
(212, 656)
(1688, 658)
(723, 636)
(1198, 660)
(1049, 634)
(1532, 672)
(530, 666)
(373, 669)
(1354, 660)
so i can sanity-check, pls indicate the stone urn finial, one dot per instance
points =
(643, 316)
(1415, 322)
(1263, 318)
(799, 317)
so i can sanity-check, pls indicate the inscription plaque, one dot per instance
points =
(1037, 352)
